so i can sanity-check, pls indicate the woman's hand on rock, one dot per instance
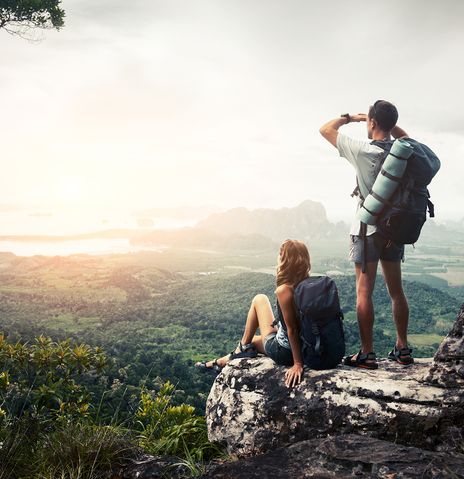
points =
(293, 375)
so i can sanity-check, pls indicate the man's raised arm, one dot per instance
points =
(330, 129)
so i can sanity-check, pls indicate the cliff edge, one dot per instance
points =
(250, 410)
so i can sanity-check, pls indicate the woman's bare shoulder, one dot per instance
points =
(284, 291)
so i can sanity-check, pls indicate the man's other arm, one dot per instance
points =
(398, 132)
(330, 129)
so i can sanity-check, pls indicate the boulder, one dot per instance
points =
(448, 364)
(150, 467)
(343, 457)
(250, 410)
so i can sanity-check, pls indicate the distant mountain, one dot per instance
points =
(232, 230)
(200, 238)
(306, 221)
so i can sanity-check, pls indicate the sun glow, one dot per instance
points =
(70, 189)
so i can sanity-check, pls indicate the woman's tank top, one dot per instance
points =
(281, 336)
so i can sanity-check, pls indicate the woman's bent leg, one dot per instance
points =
(260, 316)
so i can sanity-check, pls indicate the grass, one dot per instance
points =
(76, 450)
(425, 339)
(453, 276)
(82, 450)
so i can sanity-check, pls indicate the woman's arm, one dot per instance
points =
(285, 297)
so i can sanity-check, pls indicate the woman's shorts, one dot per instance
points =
(377, 248)
(276, 352)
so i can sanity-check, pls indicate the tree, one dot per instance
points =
(19, 17)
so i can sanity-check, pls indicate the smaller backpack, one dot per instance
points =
(321, 322)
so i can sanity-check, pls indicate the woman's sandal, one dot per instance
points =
(215, 369)
(364, 361)
(246, 351)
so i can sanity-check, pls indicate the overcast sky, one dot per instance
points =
(144, 103)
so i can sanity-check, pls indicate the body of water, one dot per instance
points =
(27, 222)
(75, 222)
(99, 246)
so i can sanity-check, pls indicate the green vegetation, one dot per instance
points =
(19, 16)
(51, 427)
(45, 378)
(155, 314)
(174, 430)
(420, 340)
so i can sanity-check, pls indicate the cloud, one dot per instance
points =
(180, 102)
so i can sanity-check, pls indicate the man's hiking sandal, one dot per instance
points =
(215, 369)
(365, 361)
(402, 356)
(246, 351)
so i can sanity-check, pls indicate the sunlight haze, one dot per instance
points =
(145, 104)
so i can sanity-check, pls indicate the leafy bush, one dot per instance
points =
(42, 379)
(45, 429)
(48, 424)
(173, 430)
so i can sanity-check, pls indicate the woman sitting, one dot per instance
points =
(279, 339)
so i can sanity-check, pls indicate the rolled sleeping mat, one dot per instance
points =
(386, 183)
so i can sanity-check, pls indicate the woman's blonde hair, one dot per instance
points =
(294, 263)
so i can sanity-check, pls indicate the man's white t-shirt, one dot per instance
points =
(363, 156)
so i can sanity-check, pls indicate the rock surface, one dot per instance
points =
(151, 467)
(251, 411)
(448, 364)
(344, 457)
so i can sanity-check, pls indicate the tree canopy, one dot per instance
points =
(18, 17)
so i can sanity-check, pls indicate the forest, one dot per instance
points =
(155, 322)
(97, 353)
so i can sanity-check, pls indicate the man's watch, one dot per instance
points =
(347, 116)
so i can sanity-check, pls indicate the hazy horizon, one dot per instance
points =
(25, 223)
(165, 104)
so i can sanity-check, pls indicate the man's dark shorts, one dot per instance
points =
(377, 248)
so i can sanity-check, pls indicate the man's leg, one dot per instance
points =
(364, 307)
(392, 275)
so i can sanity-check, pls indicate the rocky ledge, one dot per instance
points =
(343, 457)
(250, 410)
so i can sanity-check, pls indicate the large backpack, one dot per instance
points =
(404, 214)
(321, 322)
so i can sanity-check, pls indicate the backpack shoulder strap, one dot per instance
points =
(357, 191)
(384, 144)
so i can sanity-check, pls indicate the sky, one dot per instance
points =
(168, 103)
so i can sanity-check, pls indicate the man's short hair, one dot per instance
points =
(384, 113)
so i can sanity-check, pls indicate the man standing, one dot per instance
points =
(363, 155)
